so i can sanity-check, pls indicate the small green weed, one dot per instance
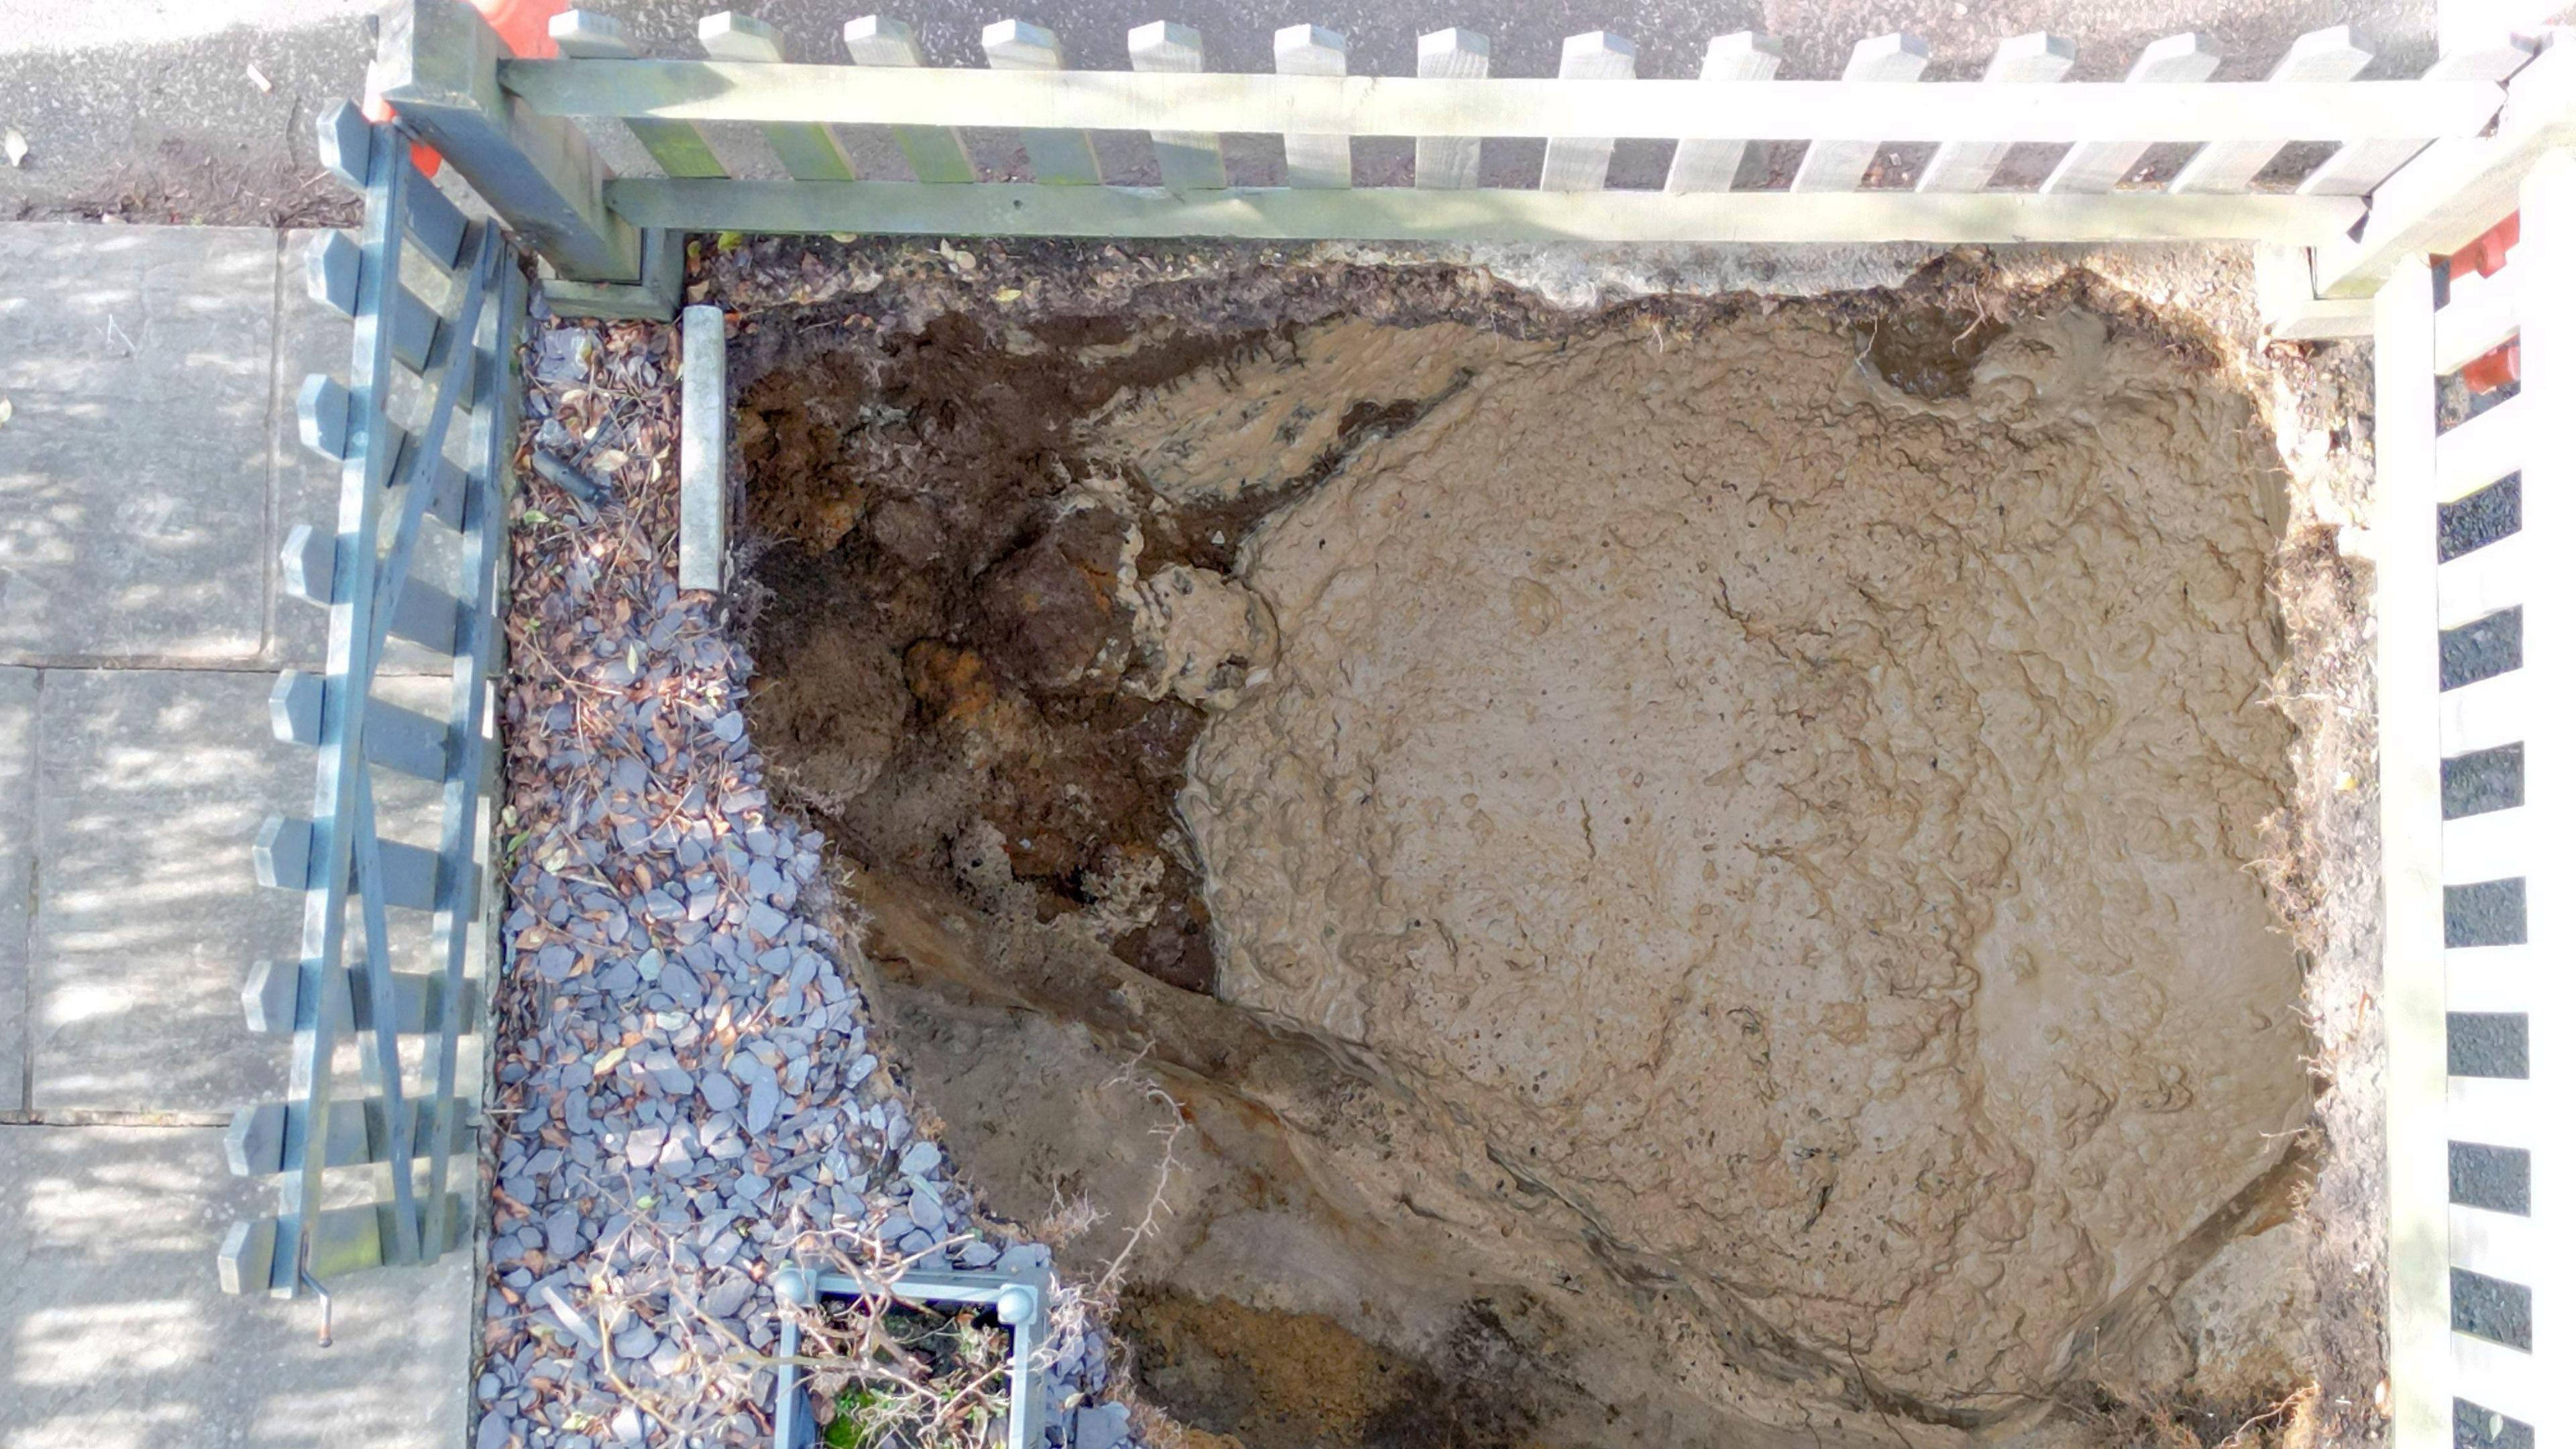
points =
(914, 1377)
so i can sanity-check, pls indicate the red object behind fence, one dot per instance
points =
(2486, 256)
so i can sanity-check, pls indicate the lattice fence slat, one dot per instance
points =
(444, 470)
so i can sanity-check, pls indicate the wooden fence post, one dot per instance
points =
(1710, 165)
(702, 448)
(1189, 160)
(1582, 163)
(935, 152)
(2097, 166)
(1841, 165)
(1314, 160)
(440, 65)
(1449, 163)
(1056, 158)
(2034, 59)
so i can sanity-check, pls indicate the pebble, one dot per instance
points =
(570, 1318)
(563, 1233)
(762, 1108)
(667, 1073)
(726, 1298)
(1099, 1426)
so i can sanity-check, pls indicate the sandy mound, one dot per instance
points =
(1799, 824)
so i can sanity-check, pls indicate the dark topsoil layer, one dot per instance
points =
(937, 627)
(938, 639)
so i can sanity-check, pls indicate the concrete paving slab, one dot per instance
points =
(113, 1335)
(312, 338)
(134, 472)
(150, 787)
(17, 874)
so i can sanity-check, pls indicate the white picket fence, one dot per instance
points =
(510, 126)
(2477, 666)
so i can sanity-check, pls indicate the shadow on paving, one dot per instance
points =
(113, 1334)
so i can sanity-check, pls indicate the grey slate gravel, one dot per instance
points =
(680, 1058)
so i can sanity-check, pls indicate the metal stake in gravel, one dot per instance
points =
(702, 448)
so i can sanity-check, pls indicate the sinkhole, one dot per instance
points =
(1685, 868)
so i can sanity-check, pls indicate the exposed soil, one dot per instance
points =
(1061, 617)
(1295, 1380)
(933, 571)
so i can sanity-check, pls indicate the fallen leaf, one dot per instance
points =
(15, 145)
(1008, 294)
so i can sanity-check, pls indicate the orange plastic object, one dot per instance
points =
(2495, 369)
(521, 24)
(375, 110)
(2486, 256)
(2487, 253)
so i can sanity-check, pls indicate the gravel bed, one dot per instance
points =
(686, 1096)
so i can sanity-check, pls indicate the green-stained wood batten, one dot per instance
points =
(1312, 50)
(808, 149)
(678, 147)
(1057, 156)
(1702, 165)
(2074, 111)
(2403, 535)
(1188, 160)
(934, 152)
(1413, 214)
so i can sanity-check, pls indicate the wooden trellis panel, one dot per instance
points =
(2477, 736)
(446, 470)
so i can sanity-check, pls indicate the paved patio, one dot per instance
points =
(148, 468)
